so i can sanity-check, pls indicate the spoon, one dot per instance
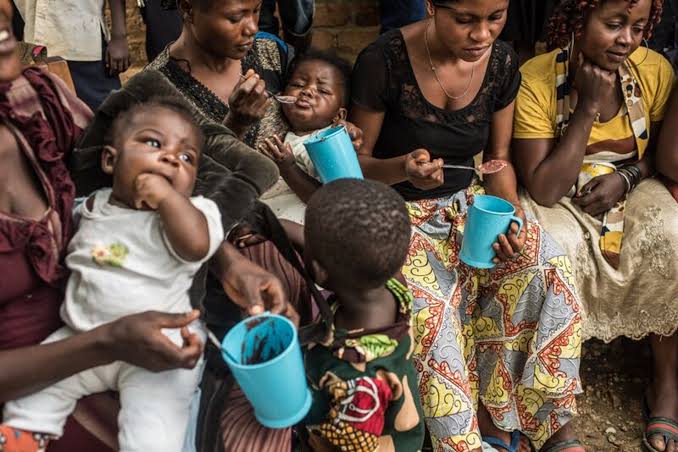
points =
(280, 98)
(489, 167)
(215, 341)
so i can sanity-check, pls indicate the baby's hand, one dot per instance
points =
(279, 152)
(150, 190)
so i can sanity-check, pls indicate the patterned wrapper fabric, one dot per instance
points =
(509, 336)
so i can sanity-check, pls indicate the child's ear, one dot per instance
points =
(319, 273)
(108, 158)
(341, 114)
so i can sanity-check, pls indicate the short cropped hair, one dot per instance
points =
(329, 57)
(176, 105)
(359, 231)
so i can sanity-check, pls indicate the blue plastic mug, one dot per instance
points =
(333, 155)
(488, 217)
(264, 356)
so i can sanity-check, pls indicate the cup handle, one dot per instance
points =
(519, 221)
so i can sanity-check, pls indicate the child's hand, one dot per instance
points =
(279, 152)
(150, 190)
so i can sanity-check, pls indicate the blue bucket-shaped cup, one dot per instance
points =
(333, 155)
(264, 356)
(488, 217)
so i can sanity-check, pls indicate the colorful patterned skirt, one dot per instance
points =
(509, 337)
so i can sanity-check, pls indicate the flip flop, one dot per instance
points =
(663, 426)
(568, 445)
(496, 442)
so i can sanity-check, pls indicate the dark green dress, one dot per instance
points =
(365, 387)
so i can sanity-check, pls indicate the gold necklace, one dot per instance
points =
(435, 74)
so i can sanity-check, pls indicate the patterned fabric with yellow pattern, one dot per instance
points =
(509, 337)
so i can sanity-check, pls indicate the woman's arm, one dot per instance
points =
(389, 171)
(667, 148)
(248, 285)
(503, 183)
(548, 170)
(136, 339)
(415, 167)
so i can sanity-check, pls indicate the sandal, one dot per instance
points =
(569, 445)
(663, 426)
(496, 442)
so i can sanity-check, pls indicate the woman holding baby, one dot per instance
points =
(41, 123)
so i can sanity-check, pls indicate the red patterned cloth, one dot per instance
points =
(46, 120)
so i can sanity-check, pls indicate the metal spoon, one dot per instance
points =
(489, 167)
(279, 97)
(215, 341)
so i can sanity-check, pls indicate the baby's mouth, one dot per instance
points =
(302, 103)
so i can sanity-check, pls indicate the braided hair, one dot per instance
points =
(570, 16)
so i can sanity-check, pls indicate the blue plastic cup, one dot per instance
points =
(333, 155)
(264, 356)
(488, 217)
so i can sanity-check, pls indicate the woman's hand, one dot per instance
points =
(508, 247)
(595, 86)
(254, 289)
(354, 132)
(138, 339)
(244, 235)
(248, 103)
(422, 172)
(117, 56)
(279, 152)
(600, 194)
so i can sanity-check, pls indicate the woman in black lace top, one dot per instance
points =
(442, 91)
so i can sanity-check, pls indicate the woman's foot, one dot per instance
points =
(487, 428)
(564, 440)
(662, 396)
(661, 403)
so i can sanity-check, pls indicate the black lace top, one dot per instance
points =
(383, 80)
(268, 57)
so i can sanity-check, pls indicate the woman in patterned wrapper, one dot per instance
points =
(497, 351)
(587, 118)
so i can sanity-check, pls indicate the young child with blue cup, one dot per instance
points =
(137, 248)
(321, 83)
(364, 385)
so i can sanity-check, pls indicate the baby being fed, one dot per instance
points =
(321, 83)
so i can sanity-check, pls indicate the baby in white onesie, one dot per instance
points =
(137, 248)
(320, 82)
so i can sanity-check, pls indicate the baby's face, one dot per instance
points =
(156, 141)
(319, 89)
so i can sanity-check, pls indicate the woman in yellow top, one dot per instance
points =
(585, 124)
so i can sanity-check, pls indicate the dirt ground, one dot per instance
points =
(614, 377)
